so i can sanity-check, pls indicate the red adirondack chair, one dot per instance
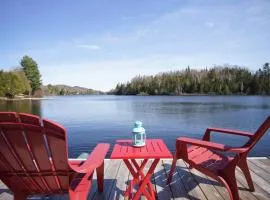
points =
(206, 156)
(34, 161)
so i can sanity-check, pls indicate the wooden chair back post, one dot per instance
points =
(258, 134)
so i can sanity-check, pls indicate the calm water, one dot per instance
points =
(93, 119)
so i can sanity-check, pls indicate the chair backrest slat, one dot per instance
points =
(33, 155)
(37, 145)
(64, 182)
(7, 154)
(5, 167)
(29, 119)
(8, 117)
(56, 137)
(40, 151)
(14, 136)
(15, 151)
(15, 181)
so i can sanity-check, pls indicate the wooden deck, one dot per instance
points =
(186, 184)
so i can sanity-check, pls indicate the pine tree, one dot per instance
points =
(32, 73)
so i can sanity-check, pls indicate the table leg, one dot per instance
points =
(141, 179)
(134, 174)
(145, 181)
(139, 169)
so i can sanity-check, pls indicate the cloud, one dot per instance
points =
(89, 46)
(192, 35)
(210, 24)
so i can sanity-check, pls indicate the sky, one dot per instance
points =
(98, 43)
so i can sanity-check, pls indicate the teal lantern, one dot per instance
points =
(138, 135)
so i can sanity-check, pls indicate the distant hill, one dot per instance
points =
(49, 90)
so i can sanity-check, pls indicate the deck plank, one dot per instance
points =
(260, 181)
(177, 186)
(93, 189)
(207, 185)
(162, 188)
(262, 164)
(129, 178)
(259, 192)
(220, 188)
(120, 183)
(258, 169)
(244, 193)
(186, 183)
(145, 170)
(5, 194)
(110, 176)
(193, 189)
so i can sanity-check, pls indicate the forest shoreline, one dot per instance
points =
(182, 95)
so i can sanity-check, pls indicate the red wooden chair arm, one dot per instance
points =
(202, 143)
(209, 145)
(238, 150)
(94, 160)
(206, 136)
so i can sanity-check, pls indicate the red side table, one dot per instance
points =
(154, 149)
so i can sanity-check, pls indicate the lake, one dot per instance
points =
(93, 119)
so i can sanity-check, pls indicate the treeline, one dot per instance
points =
(13, 82)
(24, 80)
(219, 80)
(67, 90)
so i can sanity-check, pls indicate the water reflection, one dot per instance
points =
(26, 106)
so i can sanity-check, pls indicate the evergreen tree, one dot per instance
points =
(220, 80)
(266, 81)
(32, 73)
(25, 83)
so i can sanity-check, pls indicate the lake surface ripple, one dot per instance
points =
(93, 119)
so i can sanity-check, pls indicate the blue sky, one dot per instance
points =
(97, 44)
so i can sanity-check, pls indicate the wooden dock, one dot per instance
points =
(186, 184)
